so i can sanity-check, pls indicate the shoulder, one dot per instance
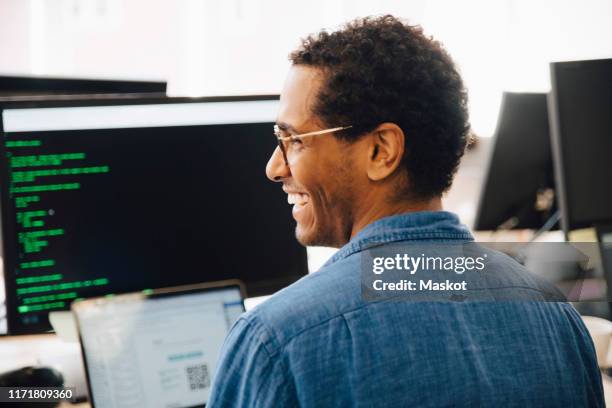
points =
(312, 301)
(247, 375)
(252, 365)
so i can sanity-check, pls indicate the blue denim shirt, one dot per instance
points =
(317, 343)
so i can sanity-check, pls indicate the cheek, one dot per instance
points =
(324, 195)
(305, 173)
(323, 178)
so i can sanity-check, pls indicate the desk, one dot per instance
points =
(607, 386)
(44, 350)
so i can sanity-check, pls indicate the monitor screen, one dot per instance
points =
(518, 192)
(125, 196)
(581, 123)
(37, 85)
(155, 352)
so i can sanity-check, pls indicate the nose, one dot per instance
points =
(276, 169)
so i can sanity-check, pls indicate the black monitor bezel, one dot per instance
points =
(7, 227)
(559, 150)
(41, 85)
(482, 211)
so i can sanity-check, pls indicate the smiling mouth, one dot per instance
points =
(297, 199)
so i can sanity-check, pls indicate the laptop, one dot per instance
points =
(156, 348)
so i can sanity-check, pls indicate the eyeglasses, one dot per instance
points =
(282, 139)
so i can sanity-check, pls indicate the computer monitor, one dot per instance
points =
(518, 191)
(37, 85)
(581, 125)
(104, 197)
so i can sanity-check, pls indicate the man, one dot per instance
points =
(372, 125)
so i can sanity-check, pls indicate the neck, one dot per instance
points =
(374, 213)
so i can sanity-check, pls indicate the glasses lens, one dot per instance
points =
(281, 146)
(281, 143)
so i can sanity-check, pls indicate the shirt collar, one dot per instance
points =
(414, 226)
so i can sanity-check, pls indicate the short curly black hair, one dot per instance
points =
(380, 69)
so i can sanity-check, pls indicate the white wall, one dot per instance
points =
(14, 36)
(508, 45)
(206, 47)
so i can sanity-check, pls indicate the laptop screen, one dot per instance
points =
(155, 351)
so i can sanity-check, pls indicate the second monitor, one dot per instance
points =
(519, 191)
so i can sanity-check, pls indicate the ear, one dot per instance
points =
(385, 151)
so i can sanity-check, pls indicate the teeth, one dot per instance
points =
(297, 199)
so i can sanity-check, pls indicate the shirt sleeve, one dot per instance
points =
(247, 375)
